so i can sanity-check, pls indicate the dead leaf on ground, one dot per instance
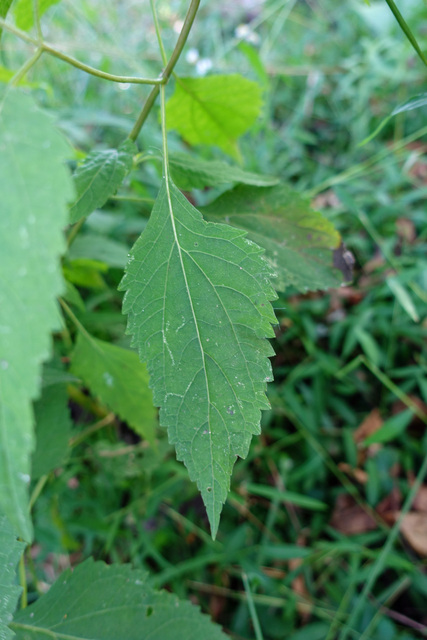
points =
(350, 518)
(359, 475)
(414, 529)
(420, 501)
(406, 230)
(370, 425)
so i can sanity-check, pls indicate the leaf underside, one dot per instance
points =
(101, 602)
(120, 380)
(10, 552)
(299, 242)
(214, 110)
(198, 303)
(35, 187)
(99, 177)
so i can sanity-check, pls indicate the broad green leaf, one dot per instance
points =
(24, 12)
(53, 430)
(99, 177)
(299, 242)
(214, 110)
(10, 552)
(35, 187)
(198, 303)
(189, 172)
(4, 8)
(101, 602)
(96, 247)
(119, 379)
(85, 272)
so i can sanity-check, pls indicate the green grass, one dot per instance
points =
(279, 568)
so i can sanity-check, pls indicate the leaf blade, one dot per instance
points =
(299, 242)
(119, 379)
(214, 110)
(35, 187)
(10, 552)
(110, 602)
(99, 177)
(207, 314)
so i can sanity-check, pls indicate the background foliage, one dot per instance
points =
(308, 546)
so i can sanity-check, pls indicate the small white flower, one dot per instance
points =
(244, 32)
(192, 56)
(203, 66)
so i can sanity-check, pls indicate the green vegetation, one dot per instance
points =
(314, 526)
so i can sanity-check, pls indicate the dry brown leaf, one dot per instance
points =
(370, 425)
(420, 501)
(414, 529)
(357, 474)
(350, 518)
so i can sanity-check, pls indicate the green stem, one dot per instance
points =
(105, 422)
(157, 28)
(406, 30)
(74, 319)
(76, 63)
(21, 73)
(182, 39)
(23, 582)
(37, 490)
(381, 559)
(74, 231)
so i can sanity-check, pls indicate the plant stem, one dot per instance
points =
(37, 490)
(23, 582)
(105, 422)
(74, 62)
(21, 73)
(157, 27)
(182, 39)
(406, 30)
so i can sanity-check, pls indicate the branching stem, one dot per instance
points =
(182, 39)
(45, 46)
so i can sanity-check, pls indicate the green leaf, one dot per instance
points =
(4, 8)
(189, 172)
(299, 242)
(214, 110)
(53, 430)
(35, 187)
(10, 552)
(96, 247)
(24, 12)
(391, 429)
(101, 602)
(119, 379)
(99, 177)
(197, 298)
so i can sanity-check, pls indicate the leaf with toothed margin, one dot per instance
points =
(302, 246)
(198, 303)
